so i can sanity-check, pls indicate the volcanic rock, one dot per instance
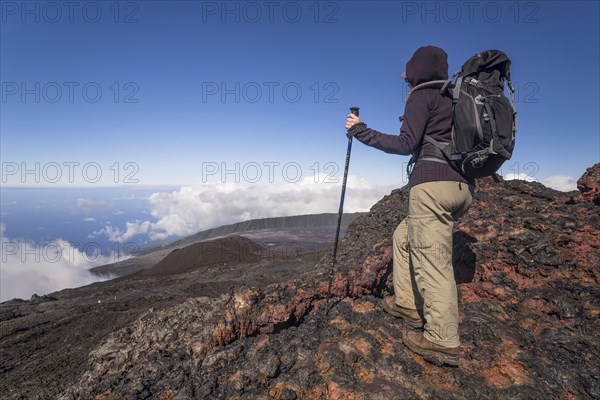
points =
(588, 185)
(527, 266)
(235, 249)
(35, 299)
(45, 342)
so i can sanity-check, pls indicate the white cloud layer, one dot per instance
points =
(563, 183)
(194, 208)
(520, 176)
(29, 268)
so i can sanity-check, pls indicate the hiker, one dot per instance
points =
(425, 293)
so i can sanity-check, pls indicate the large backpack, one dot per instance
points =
(483, 119)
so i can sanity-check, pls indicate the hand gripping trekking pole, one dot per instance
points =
(353, 110)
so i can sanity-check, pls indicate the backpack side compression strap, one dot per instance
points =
(495, 144)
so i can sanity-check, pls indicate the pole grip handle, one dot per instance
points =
(354, 110)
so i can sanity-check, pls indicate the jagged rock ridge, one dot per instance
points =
(527, 262)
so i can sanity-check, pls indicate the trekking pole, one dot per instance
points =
(353, 110)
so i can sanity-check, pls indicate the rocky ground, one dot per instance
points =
(527, 260)
(44, 342)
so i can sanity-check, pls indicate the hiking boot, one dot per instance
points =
(411, 317)
(431, 352)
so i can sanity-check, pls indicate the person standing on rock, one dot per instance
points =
(425, 294)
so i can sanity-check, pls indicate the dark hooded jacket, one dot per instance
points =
(427, 111)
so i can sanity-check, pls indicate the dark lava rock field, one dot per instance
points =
(527, 264)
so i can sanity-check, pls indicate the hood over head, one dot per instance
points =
(429, 63)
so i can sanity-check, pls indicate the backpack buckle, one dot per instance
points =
(478, 161)
(472, 81)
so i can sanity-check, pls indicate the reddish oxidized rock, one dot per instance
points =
(589, 185)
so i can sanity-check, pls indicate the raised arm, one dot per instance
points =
(413, 127)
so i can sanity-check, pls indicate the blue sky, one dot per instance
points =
(162, 66)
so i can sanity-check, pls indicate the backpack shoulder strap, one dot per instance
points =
(453, 77)
(426, 85)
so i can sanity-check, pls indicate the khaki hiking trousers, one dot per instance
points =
(423, 274)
